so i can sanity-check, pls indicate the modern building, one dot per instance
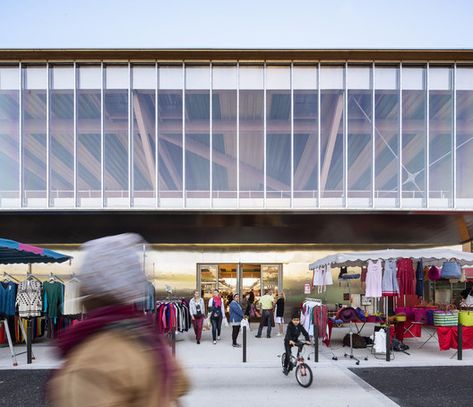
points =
(237, 164)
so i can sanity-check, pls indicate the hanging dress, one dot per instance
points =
(390, 286)
(373, 279)
(406, 277)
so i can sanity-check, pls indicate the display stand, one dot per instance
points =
(30, 355)
(351, 355)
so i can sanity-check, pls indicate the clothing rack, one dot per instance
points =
(5, 274)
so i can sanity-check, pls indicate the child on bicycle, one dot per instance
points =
(293, 331)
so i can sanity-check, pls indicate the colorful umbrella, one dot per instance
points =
(12, 252)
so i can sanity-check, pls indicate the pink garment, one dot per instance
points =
(406, 277)
(217, 302)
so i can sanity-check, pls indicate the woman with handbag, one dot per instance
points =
(197, 311)
(279, 319)
(236, 316)
(216, 315)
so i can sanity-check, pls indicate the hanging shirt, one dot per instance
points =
(53, 298)
(7, 298)
(72, 303)
(28, 299)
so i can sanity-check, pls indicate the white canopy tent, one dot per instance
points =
(429, 257)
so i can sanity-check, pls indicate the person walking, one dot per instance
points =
(279, 319)
(114, 357)
(267, 304)
(236, 316)
(216, 315)
(197, 311)
(250, 301)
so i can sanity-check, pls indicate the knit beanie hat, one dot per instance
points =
(111, 267)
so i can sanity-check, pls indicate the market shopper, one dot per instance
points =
(113, 357)
(216, 315)
(236, 316)
(197, 311)
(279, 318)
(267, 304)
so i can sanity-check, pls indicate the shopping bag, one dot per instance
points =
(451, 270)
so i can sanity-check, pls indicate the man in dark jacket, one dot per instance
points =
(293, 331)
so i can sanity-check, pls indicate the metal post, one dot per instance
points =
(388, 343)
(316, 344)
(173, 341)
(460, 342)
(29, 339)
(244, 344)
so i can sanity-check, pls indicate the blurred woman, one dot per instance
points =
(216, 315)
(279, 318)
(113, 357)
(236, 316)
(197, 311)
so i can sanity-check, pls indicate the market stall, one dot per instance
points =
(25, 295)
(398, 273)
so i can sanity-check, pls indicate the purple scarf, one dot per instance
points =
(105, 318)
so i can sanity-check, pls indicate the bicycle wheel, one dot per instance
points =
(304, 375)
(283, 356)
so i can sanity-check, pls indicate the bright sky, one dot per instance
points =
(236, 24)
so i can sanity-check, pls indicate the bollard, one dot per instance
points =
(460, 342)
(388, 343)
(173, 341)
(29, 339)
(244, 344)
(316, 344)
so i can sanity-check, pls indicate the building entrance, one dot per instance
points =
(241, 278)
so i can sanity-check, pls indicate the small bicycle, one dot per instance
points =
(303, 372)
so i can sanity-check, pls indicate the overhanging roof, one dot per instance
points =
(428, 256)
(341, 55)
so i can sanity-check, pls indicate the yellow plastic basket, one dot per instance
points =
(466, 318)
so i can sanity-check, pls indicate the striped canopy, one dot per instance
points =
(12, 252)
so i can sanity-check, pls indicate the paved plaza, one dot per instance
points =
(218, 373)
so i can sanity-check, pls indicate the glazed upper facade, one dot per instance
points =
(236, 135)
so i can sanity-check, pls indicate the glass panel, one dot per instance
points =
(251, 138)
(224, 140)
(9, 138)
(270, 273)
(89, 77)
(144, 147)
(464, 164)
(331, 137)
(208, 280)
(89, 189)
(9, 79)
(170, 136)
(251, 279)
(440, 138)
(198, 136)
(278, 142)
(224, 77)
(305, 136)
(116, 77)
(251, 77)
(414, 137)
(143, 76)
(115, 111)
(387, 116)
(34, 136)
(227, 280)
(304, 77)
(61, 130)
(360, 140)
(278, 77)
